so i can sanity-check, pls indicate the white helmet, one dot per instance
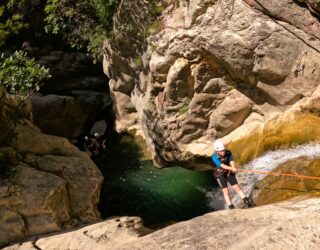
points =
(218, 145)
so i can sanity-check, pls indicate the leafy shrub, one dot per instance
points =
(84, 24)
(105, 10)
(11, 21)
(20, 74)
(134, 29)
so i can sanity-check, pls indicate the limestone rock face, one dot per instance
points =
(39, 206)
(208, 68)
(289, 225)
(52, 184)
(289, 12)
(75, 172)
(312, 104)
(29, 139)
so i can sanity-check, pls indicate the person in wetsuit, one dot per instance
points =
(225, 172)
(95, 146)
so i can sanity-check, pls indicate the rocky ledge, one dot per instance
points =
(288, 225)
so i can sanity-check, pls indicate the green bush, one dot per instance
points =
(20, 74)
(11, 21)
(105, 10)
(84, 24)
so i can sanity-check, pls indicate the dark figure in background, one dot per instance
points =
(100, 143)
(95, 146)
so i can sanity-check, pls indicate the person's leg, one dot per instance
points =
(239, 191)
(226, 196)
(234, 183)
(246, 200)
(222, 181)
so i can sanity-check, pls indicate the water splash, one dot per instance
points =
(266, 162)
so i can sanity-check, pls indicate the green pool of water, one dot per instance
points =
(138, 188)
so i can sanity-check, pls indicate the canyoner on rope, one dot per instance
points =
(225, 171)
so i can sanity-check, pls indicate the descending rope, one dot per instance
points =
(280, 174)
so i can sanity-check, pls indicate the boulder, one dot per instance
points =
(45, 205)
(29, 139)
(68, 116)
(32, 202)
(12, 226)
(42, 176)
(82, 199)
(312, 104)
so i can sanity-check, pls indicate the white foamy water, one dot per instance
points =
(266, 162)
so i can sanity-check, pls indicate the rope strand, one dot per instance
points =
(280, 174)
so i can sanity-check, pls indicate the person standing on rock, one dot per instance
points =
(225, 172)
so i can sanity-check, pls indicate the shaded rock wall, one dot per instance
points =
(74, 98)
(46, 190)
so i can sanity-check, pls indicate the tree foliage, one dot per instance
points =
(84, 24)
(20, 74)
(11, 19)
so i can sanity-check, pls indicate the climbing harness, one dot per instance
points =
(280, 174)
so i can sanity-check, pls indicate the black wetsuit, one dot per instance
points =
(222, 175)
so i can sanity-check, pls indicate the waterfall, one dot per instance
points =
(266, 162)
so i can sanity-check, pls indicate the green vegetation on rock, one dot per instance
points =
(136, 27)
(11, 21)
(84, 24)
(20, 74)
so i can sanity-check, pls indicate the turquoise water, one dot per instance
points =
(138, 188)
